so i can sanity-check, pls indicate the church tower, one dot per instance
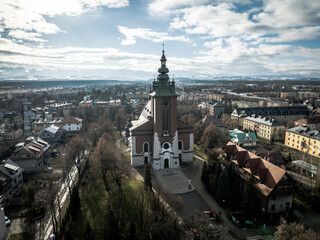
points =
(164, 102)
(166, 141)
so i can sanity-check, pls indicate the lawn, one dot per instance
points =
(123, 145)
(19, 236)
(197, 149)
(93, 204)
(93, 199)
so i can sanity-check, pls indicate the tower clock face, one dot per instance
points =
(166, 146)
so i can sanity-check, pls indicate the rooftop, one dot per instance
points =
(305, 131)
(264, 120)
(266, 174)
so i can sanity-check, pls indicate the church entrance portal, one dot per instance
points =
(166, 163)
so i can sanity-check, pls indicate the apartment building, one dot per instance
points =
(303, 139)
(265, 127)
(281, 114)
(216, 109)
(11, 180)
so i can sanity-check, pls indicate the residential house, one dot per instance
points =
(13, 119)
(12, 135)
(244, 139)
(265, 127)
(87, 103)
(41, 123)
(303, 139)
(32, 156)
(72, 124)
(11, 180)
(216, 109)
(272, 183)
(50, 134)
(281, 114)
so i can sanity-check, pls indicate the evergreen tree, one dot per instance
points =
(251, 204)
(204, 175)
(147, 177)
(132, 232)
(223, 186)
(75, 202)
(88, 232)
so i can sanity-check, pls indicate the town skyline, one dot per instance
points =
(122, 39)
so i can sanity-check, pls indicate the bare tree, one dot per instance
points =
(294, 231)
(76, 149)
(104, 159)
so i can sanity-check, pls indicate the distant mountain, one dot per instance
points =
(178, 79)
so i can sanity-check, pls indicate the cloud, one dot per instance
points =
(242, 58)
(30, 15)
(161, 7)
(131, 34)
(289, 13)
(216, 21)
(224, 56)
(30, 36)
(295, 34)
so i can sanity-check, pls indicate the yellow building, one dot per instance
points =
(264, 127)
(303, 139)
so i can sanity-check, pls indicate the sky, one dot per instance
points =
(122, 39)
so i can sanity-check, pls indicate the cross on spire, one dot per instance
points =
(163, 46)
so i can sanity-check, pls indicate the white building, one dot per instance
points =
(72, 124)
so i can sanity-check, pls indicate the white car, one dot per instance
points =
(8, 222)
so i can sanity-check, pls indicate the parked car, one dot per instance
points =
(8, 222)
(235, 218)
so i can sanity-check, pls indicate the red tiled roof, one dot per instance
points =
(269, 174)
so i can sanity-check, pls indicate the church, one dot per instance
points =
(158, 137)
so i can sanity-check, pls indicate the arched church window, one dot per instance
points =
(146, 147)
(180, 145)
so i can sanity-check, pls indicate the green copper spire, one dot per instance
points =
(163, 69)
(163, 86)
